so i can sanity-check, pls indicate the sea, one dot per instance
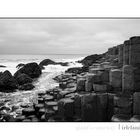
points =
(44, 82)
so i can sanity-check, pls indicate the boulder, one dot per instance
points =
(2, 66)
(27, 86)
(7, 81)
(20, 65)
(89, 60)
(46, 62)
(31, 69)
(23, 79)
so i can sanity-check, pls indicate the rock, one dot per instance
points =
(48, 98)
(77, 70)
(110, 106)
(28, 111)
(89, 60)
(80, 84)
(134, 57)
(43, 118)
(89, 108)
(38, 106)
(35, 119)
(2, 66)
(7, 81)
(66, 107)
(63, 85)
(26, 120)
(23, 79)
(120, 118)
(122, 102)
(136, 103)
(49, 113)
(27, 86)
(51, 104)
(96, 70)
(102, 102)
(40, 100)
(20, 65)
(128, 78)
(116, 78)
(20, 118)
(99, 87)
(31, 69)
(88, 86)
(104, 76)
(126, 52)
(135, 118)
(135, 40)
(46, 62)
(41, 112)
(125, 111)
(62, 63)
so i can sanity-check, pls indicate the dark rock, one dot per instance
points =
(31, 69)
(77, 70)
(20, 65)
(135, 40)
(28, 111)
(20, 118)
(2, 66)
(135, 118)
(46, 62)
(49, 113)
(28, 86)
(38, 106)
(89, 60)
(41, 112)
(27, 120)
(120, 118)
(23, 79)
(62, 63)
(35, 119)
(7, 81)
(40, 100)
(66, 107)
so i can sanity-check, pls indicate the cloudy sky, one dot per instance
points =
(64, 36)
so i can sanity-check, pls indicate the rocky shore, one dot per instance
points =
(105, 89)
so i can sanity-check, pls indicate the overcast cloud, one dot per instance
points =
(64, 36)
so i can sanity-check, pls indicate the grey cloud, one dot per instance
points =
(83, 36)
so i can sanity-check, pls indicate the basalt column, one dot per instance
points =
(120, 47)
(134, 56)
(126, 51)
